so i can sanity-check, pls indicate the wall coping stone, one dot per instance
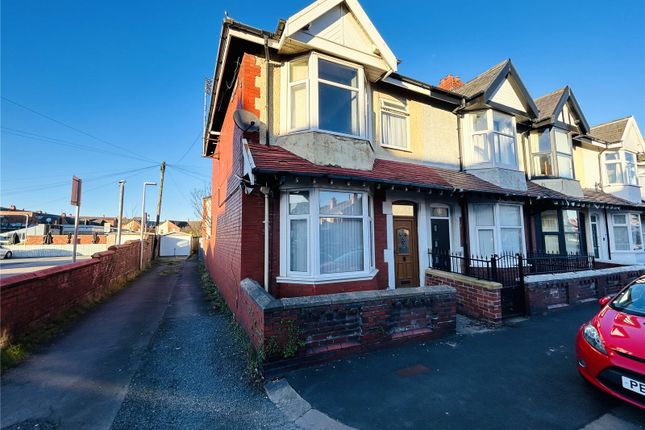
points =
(550, 277)
(266, 302)
(489, 285)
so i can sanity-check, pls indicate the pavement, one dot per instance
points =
(18, 266)
(154, 356)
(520, 376)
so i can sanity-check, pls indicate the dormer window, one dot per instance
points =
(620, 168)
(325, 94)
(552, 153)
(493, 140)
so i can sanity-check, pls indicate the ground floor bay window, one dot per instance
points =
(496, 229)
(626, 232)
(560, 232)
(325, 235)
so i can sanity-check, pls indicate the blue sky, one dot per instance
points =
(128, 78)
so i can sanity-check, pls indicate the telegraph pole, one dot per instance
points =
(161, 175)
(118, 231)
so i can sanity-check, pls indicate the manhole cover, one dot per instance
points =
(417, 369)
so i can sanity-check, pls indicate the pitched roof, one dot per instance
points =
(606, 198)
(548, 103)
(481, 82)
(277, 160)
(611, 131)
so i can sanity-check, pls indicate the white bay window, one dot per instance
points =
(493, 140)
(620, 168)
(497, 229)
(626, 232)
(552, 153)
(325, 94)
(327, 234)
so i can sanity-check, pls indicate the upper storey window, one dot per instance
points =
(327, 95)
(394, 125)
(552, 153)
(493, 140)
(620, 167)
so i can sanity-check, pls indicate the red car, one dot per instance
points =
(610, 349)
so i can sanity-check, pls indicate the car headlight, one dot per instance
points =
(593, 338)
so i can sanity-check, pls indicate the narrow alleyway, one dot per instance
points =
(154, 356)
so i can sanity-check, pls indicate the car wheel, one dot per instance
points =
(8, 255)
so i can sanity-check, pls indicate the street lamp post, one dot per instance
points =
(143, 221)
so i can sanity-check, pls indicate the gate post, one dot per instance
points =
(493, 267)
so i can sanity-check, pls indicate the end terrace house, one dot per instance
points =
(332, 172)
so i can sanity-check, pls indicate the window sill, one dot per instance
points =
(317, 130)
(361, 276)
(396, 148)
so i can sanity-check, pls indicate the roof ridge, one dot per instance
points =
(552, 92)
(612, 121)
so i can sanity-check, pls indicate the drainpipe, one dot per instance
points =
(459, 115)
(265, 190)
(269, 87)
(607, 234)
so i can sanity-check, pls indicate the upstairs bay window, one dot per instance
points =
(620, 167)
(493, 140)
(552, 153)
(325, 94)
(327, 234)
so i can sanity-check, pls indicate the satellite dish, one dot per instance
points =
(246, 120)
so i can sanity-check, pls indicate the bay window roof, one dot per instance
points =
(552, 105)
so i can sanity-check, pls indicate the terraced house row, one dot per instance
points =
(333, 173)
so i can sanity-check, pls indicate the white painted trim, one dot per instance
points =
(327, 279)
(315, 10)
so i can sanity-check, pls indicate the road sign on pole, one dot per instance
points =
(76, 201)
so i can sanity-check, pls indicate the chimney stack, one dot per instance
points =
(450, 82)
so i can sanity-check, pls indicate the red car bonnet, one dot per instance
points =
(621, 331)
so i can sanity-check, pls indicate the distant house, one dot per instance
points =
(173, 226)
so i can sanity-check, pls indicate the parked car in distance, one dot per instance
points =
(610, 349)
(5, 253)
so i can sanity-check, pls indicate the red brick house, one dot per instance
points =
(352, 177)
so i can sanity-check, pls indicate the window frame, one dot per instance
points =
(493, 153)
(400, 110)
(312, 103)
(496, 227)
(553, 153)
(561, 233)
(313, 273)
(621, 162)
(630, 231)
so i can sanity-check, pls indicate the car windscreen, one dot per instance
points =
(631, 300)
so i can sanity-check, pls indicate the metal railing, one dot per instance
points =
(508, 268)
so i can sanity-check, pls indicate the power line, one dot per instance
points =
(69, 144)
(66, 183)
(189, 148)
(78, 130)
(190, 173)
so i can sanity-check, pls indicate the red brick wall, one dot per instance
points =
(233, 247)
(31, 299)
(473, 299)
(340, 324)
(548, 292)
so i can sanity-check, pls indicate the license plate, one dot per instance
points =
(634, 385)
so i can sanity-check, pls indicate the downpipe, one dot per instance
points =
(265, 190)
